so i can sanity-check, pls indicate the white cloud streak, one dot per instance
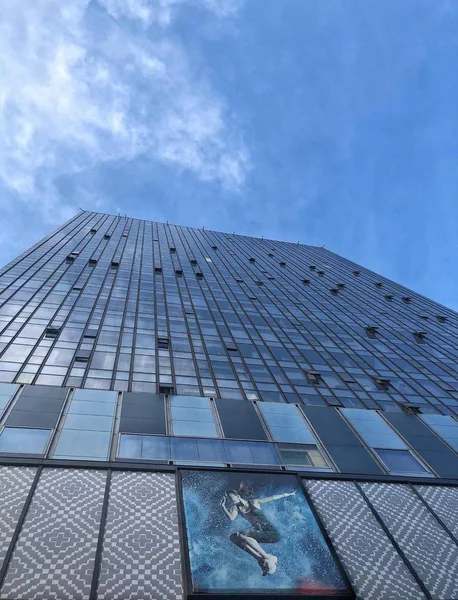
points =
(84, 83)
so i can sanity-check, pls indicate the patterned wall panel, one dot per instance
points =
(15, 483)
(54, 555)
(141, 551)
(424, 542)
(375, 569)
(444, 502)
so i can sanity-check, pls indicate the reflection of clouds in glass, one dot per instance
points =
(216, 563)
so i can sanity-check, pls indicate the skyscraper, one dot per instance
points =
(189, 413)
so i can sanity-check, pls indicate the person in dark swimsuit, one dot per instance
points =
(262, 530)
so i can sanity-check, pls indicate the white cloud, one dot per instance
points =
(84, 83)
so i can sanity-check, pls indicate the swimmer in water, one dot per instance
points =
(262, 530)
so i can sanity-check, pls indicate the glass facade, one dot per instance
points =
(156, 337)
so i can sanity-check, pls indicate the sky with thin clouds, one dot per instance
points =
(329, 122)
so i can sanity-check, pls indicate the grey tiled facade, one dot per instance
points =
(55, 552)
(376, 570)
(141, 548)
(426, 545)
(15, 483)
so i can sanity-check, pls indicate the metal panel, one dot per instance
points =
(141, 550)
(427, 546)
(444, 502)
(55, 552)
(15, 483)
(375, 569)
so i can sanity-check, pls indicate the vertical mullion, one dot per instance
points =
(98, 552)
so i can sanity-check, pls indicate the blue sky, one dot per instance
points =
(326, 121)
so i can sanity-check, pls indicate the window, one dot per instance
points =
(52, 332)
(400, 462)
(371, 331)
(295, 455)
(445, 426)
(313, 377)
(92, 262)
(163, 343)
(86, 433)
(21, 440)
(286, 423)
(144, 446)
(419, 336)
(382, 384)
(389, 447)
(192, 416)
(6, 392)
(261, 453)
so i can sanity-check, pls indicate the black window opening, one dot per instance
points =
(52, 332)
(282, 264)
(178, 272)
(93, 231)
(214, 247)
(92, 262)
(382, 383)
(313, 377)
(166, 389)
(378, 284)
(410, 408)
(252, 260)
(163, 343)
(82, 355)
(356, 273)
(199, 275)
(70, 258)
(270, 255)
(158, 270)
(90, 333)
(106, 236)
(407, 299)
(312, 267)
(320, 273)
(173, 250)
(306, 281)
(372, 331)
(441, 318)
(193, 261)
(389, 297)
(419, 336)
(340, 285)
(334, 291)
(114, 264)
